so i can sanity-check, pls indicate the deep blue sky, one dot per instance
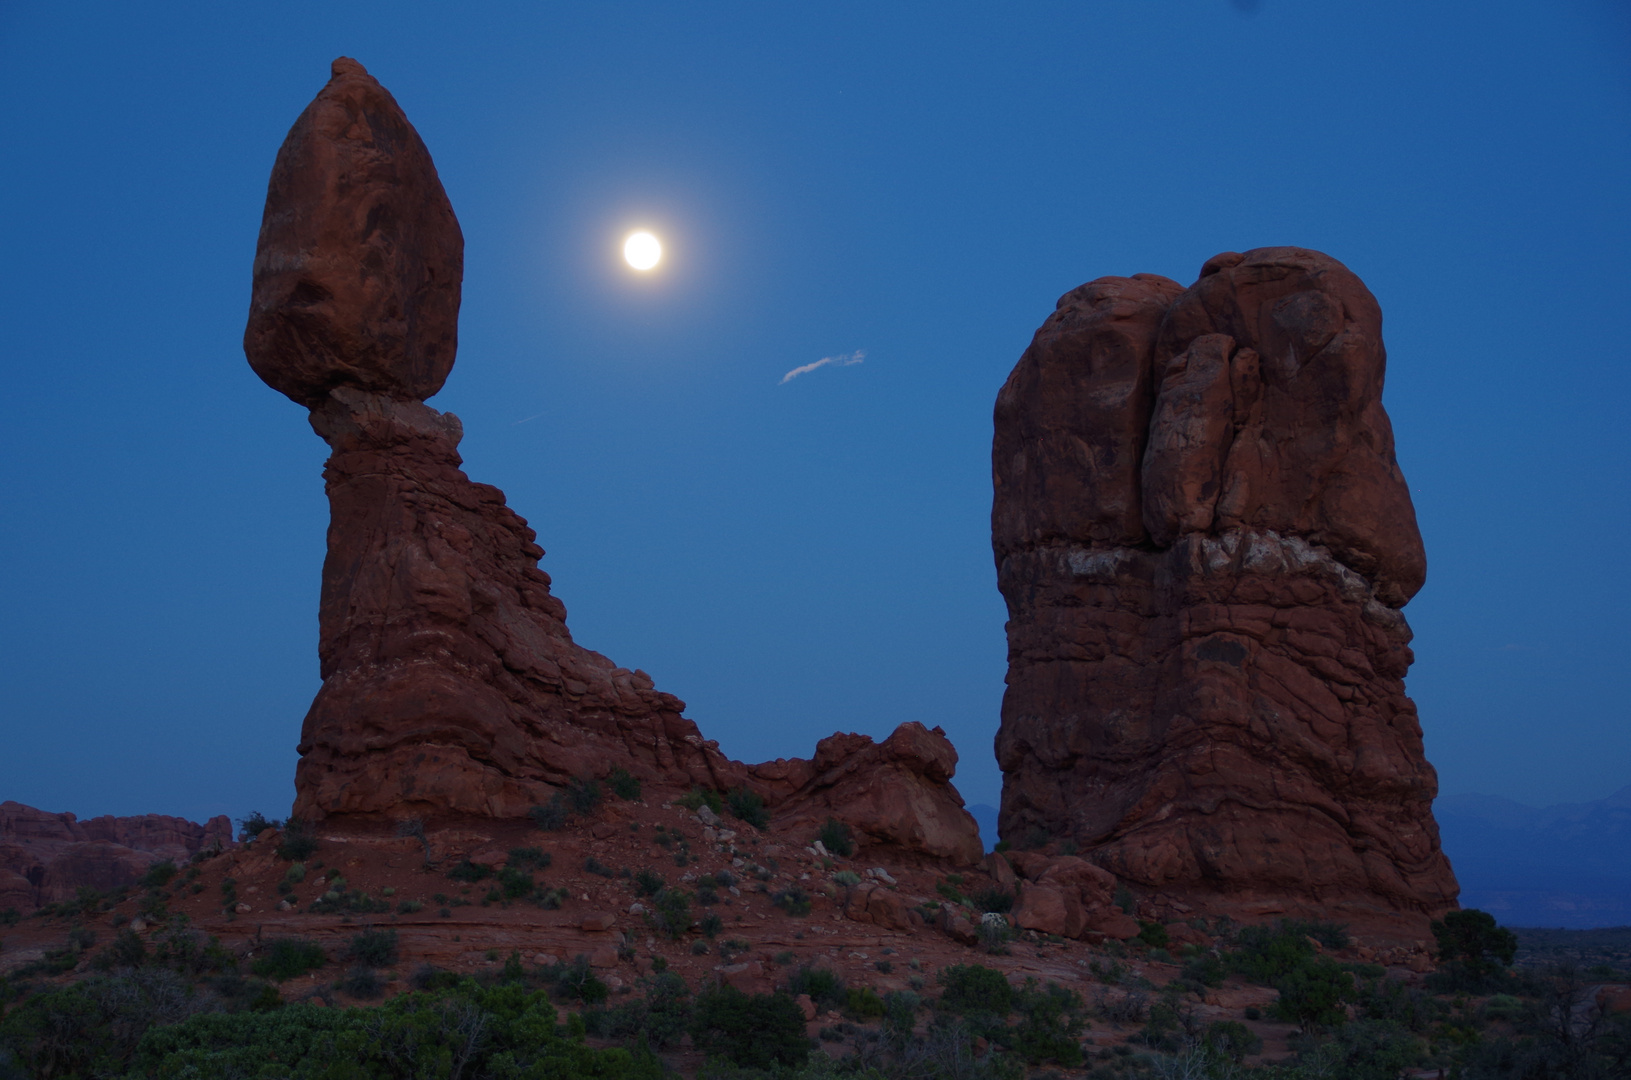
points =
(916, 181)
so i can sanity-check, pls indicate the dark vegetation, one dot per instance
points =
(177, 1005)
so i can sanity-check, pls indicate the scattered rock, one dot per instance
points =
(598, 921)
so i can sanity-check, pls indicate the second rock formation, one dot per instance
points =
(1204, 541)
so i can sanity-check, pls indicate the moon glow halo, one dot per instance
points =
(642, 250)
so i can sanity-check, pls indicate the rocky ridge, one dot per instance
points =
(45, 857)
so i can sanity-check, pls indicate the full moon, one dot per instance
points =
(642, 250)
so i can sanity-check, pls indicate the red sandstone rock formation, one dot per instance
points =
(1204, 542)
(896, 793)
(450, 681)
(49, 857)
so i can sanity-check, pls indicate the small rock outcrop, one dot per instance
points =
(896, 793)
(451, 685)
(1204, 542)
(47, 857)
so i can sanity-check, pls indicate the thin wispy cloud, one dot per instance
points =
(842, 360)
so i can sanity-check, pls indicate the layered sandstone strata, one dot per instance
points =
(46, 857)
(1204, 541)
(451, 684)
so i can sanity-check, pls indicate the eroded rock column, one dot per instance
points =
(1204, 542)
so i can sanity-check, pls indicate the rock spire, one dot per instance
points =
(1204, 541)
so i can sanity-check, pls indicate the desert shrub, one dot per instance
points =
(1369, 1050)
(1204, 969)
(823, 985)
(1126, 901)
(847, 877)
(298, 842)
(711, 925)
(659, 1019)
(1131, 1007)
(515, 883)
(362, 982)
(1231, 1040)
(793, 900)
(698, 797)
(466, 1030)
(585, 795)
(93, 1027)
(186, 952)
(1050, 1025)
(994, 935)
(836, 837)
(862, 1003)
(128, 950)
(1265, 954)
(1397, 1002)
(1312, 995)
(550, 899)
(1470, 943)
(595, 866)
(994, 899)
(553, 815)
(949, 891)
(288, 958)
(648, 882)
(375, 948)
(469, 871)
(295, 874)
(971, 988)
(158, 875)
(255, 824)
(900, 1010)
(623, 785)
(577, 981)
(748, 806)
(529, 858)
(1154, 935)
(671, 912)
(760, 1031)
(10, 917)
(431, 977)
(410, 907)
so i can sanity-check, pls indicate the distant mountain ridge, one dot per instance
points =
(1567, 865)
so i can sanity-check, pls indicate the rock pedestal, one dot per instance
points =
(451, 685)
(450, 682)
(1204, 542)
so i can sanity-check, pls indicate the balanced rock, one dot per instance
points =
(450, 681)
(451, 685)
(1204, 541)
